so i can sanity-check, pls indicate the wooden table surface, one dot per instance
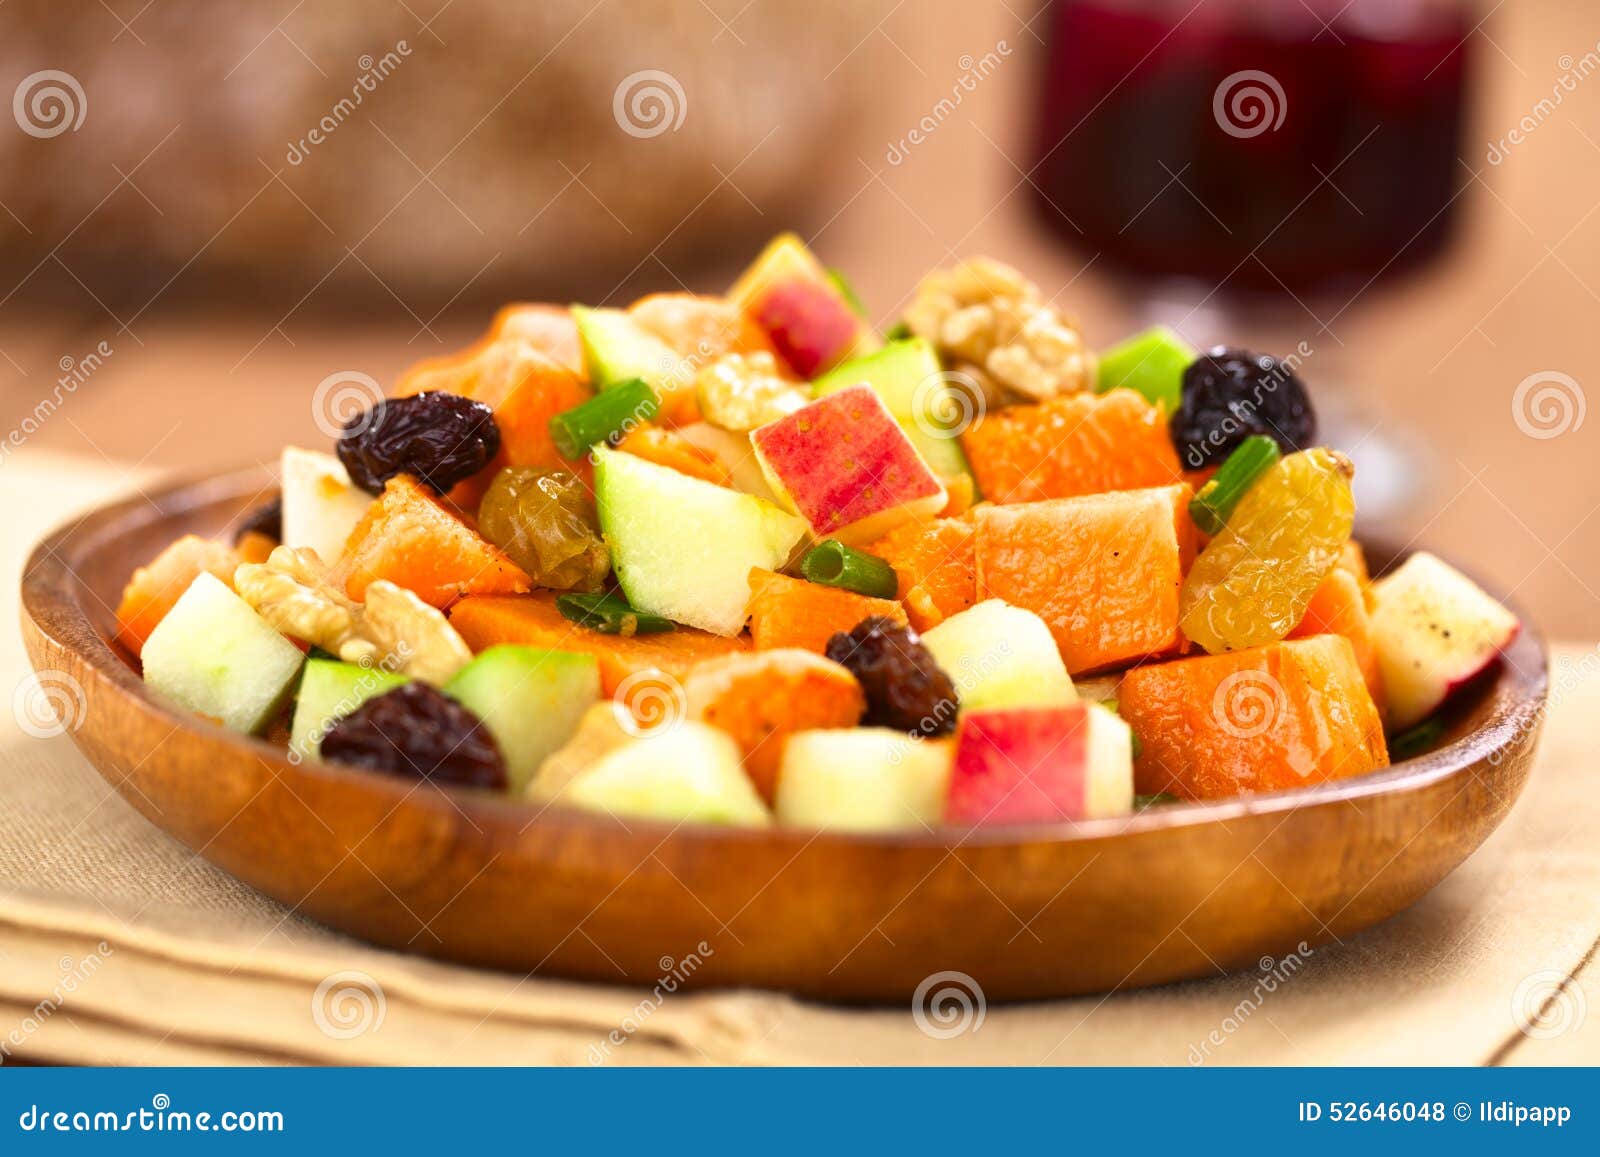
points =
(1435, 361)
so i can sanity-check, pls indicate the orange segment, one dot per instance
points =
(411, 539)
(1103, 571)
(1338, 607)
(935, 564)
(790, 612)
(153, 588)
(1284, 715)
(1071, 445)
(534, 621)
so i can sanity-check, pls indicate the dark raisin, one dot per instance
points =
(435, 437)
(905, 688)
(265, 519)
(419, 732)
(1229, 394)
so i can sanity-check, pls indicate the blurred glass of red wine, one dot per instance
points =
(1306, 145)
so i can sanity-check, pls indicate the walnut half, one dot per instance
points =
(393, 629)
(989, 321)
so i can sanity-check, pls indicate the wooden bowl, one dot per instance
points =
(1026, 912)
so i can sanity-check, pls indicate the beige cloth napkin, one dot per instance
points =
(118, 945)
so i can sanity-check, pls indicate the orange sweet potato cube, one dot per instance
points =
(1339, 607)
(1071, 445)
(790, 612)
(935, 567)
(1263, 719)
(413, 540)
(1103, 571)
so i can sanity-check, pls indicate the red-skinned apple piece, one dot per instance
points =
(1435, 630)
(811, 324)
(1040, 765)
(844, 465)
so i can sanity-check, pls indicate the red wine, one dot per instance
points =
(1179, 145)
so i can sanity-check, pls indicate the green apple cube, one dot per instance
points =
(531, 700)
(863, 779)
(330, 690)
(618, 349)
(689, 772)
(907, 377)
(999, 655)
(684, 548)
(215, 656)
(1151, 362)
(320, 505)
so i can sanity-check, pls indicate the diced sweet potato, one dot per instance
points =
(790, 612)
(1103, 571)
(934, 563)
(410, 538)
(671, 449)
(1338, 607)
(761, 699)
(1280, 716)
(534, 621)
(551, 329)
(1071, 445)
(154, 587)
(1354, 560)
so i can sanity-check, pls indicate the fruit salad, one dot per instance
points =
(742, 559)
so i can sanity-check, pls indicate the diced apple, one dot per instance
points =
(811, 323)
(330, 690)
(531, 700)
(1040, 765)
(213, 655)
(1000, 656)
(1150, 362)
(684, 548)
(320, 505)
(684, 773)
(618, 349)
(863, 779)
(846, 467)
(907, 376)
(1435, 629)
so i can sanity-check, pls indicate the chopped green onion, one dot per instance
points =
(1140, 802)
(899, 331)
(833, 564)
(603, 417)
(1416, 740)
(847, 291)
(1250, 460)
(610, 614)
